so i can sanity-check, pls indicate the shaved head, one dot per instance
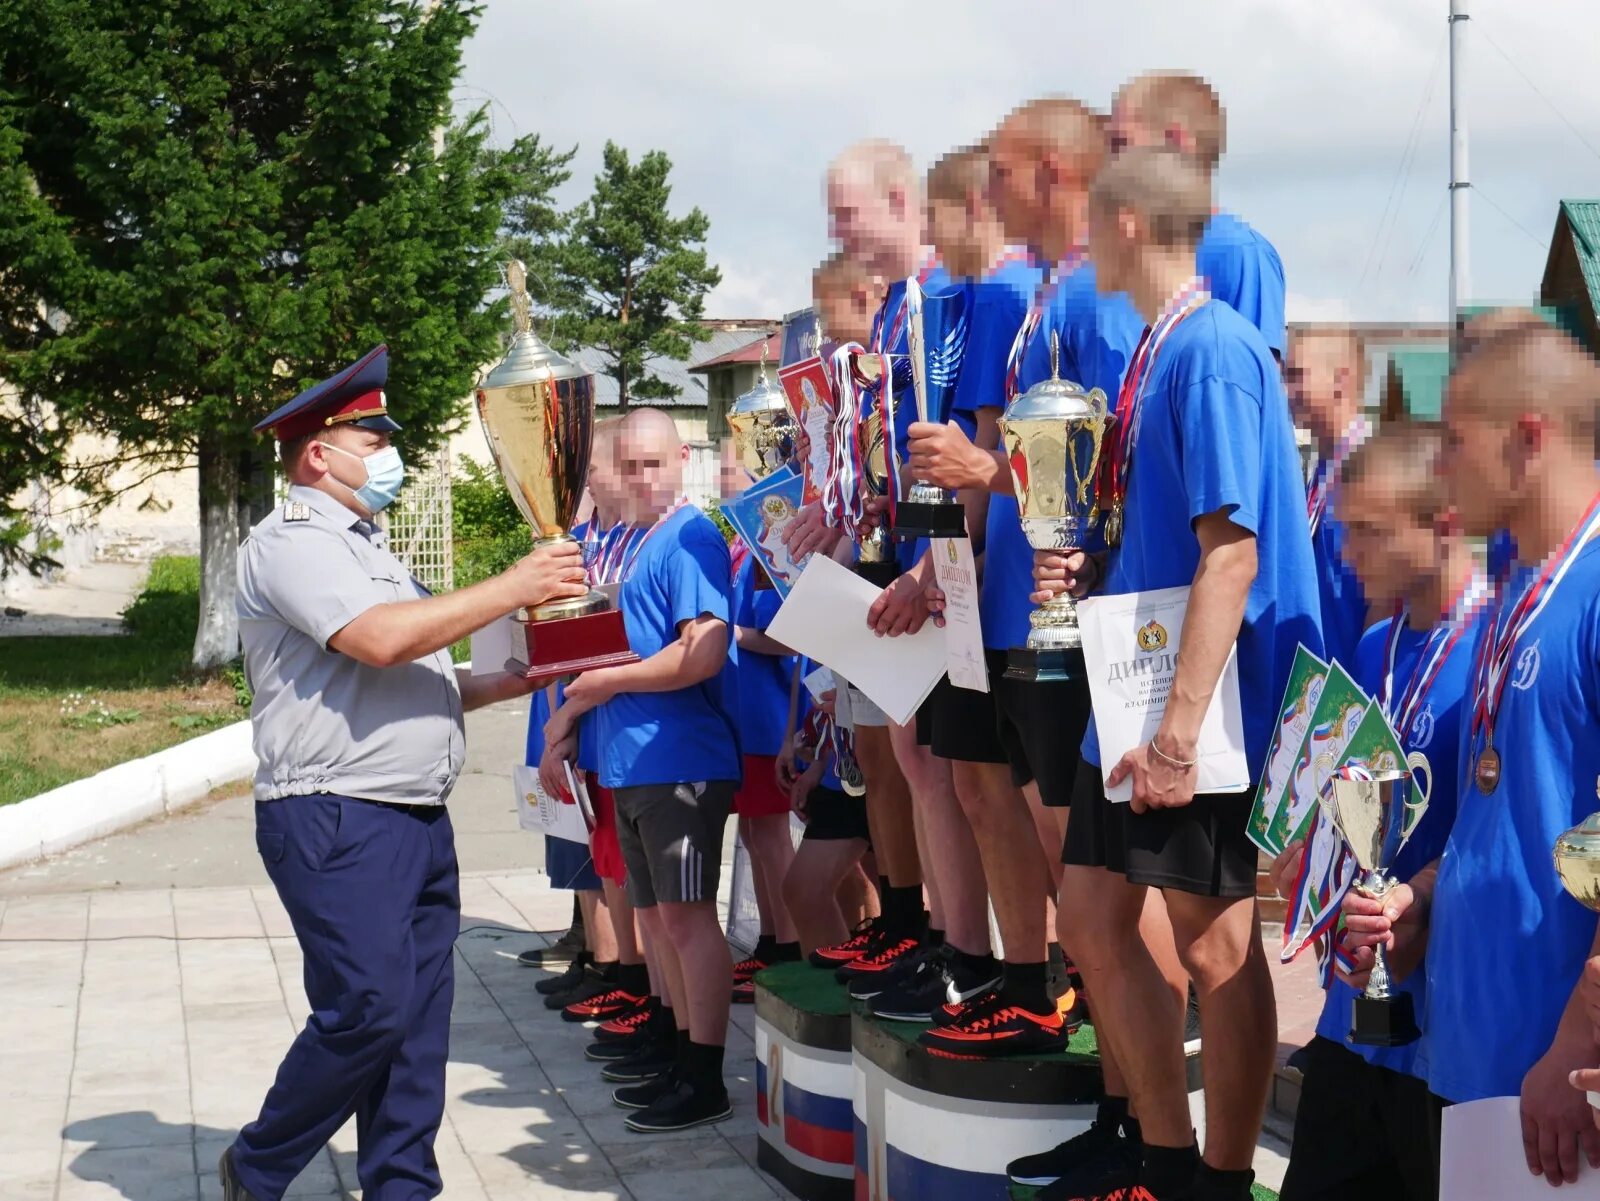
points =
(651, 456)
(1167, 191)
(1041, 159)
(1174, 110)
(1479, 329)
(1528, 370)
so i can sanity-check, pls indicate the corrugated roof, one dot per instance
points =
(750, 352)
(1422, 374)
(725, 337)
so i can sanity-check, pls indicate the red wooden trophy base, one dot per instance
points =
(565, 646)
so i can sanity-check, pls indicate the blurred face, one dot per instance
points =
(869, 224)
(1125, 128)
(732, 478)
(1391, 551)
(1111, 244)
(1478, 464)
(651, 470)
(1322, 385)
(847, 311)
(948, 228)
(1014, 188)
(604, 485)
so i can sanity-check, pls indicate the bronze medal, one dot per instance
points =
(1114, 524)
(1487, 771)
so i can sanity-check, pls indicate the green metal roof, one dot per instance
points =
(1422, 374)
(1578, 226)
(1583, 219)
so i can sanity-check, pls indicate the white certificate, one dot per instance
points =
(818, 682)
(963, 635)
(1481, 1158)
(1130, 647)
(825, 618)
(491, 647)
(542, 813)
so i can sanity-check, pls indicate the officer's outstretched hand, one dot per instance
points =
(549, 573)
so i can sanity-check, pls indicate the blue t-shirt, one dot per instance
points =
(763, 679)
(1344, 604)
(1436, 733)
(1243, 270)
(1214, 434)
(1501, 920)
(1098, 335)
(682, 572)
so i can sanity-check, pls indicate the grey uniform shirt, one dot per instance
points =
(321, 721)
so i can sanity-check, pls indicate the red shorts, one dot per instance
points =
(603, 845)
(759, 795)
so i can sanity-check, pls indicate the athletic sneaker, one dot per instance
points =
(865, 987)
(611, 1052)
(1074, 1010)
(567, 980)
(681, 1107)
(626, 1025)
(1136, 1192)
(649, 1062)
(746, 968)
(953, 1012)
(848, 950)
(879, 961)
(1098, 1174)
(603, 1006)
(563, 951)
(938, 980)
(1004, 1030)
(744, 991)
(1082, 1164)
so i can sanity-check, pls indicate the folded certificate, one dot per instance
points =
(538, 811)
(825, 618)
(1130, 646)
(963, 635)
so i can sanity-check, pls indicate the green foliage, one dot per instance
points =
(233, 675)
(481, 507)
(163, 614)
(720, 519)
(633, 278)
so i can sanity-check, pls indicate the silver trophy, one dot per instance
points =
(936, 336)
(1052, 436)
(1377, 812)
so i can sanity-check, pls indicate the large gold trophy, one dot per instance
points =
(537, 409)
(1577, 856)
(762, 426)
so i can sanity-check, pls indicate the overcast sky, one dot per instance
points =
(1323, 97)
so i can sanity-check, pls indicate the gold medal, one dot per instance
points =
(1487, 771)
(1114, 524)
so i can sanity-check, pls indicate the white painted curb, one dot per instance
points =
(124, 795)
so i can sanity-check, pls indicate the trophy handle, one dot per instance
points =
(1097, 433)
(1421, 789)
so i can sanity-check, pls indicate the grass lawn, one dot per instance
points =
(73, 706)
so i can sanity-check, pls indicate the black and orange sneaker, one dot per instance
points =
(744, 991)
(612, 1003)
(746, 968)
(1136, 1192)
(627, 1024)
(1073, 1008)
(953, 1012)
(885, 959)
(849, 950)
(1003, 1030)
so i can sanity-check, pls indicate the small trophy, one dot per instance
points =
(876, 563)
(1052, 435)
(936, 332)
(537, 410)
(762, 426)
(1577, 856)
(1376, 812)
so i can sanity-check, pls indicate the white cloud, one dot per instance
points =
(1300, 307)
(1321, 102)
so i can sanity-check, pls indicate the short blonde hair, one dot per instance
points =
(1531, 369)
(1176, 100)
(887, 164)
(1405, 455)
(1168, 190)
(959, 174)
(1059, 124)
(838, 273)
(1341, 338)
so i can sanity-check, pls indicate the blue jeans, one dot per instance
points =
(373, 893)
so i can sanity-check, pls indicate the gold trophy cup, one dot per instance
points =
(537, 409)
(1577, 856)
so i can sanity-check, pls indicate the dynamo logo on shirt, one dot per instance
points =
(1422, 729)
(1527, 669)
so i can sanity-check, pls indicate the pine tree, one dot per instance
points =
(633, 277)
(234, 199)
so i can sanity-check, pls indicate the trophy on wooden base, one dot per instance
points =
(936, 332)
(537, 409)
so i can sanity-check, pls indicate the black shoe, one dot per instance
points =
(612, 1052)
(1075, 1159)
(937, 980)
(1191, 1024)
(681, 1107)
(646, 1092)
(649, 1062)
(567, 980)
(563, 951)
(232, 1190)
(592, 983)
(1115, 1167)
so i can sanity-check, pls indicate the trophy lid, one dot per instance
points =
(765, 397)
(529, 359)
(1577, 858)
(1056, 398)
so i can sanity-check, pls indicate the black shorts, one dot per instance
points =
(832, 816)
(923, 719)
(671, 839)
(1041, 725)
(962, 726)
(1201, 848)
(1361, 1131)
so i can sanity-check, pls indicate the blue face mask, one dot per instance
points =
(386, 472)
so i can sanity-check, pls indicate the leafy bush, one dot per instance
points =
(164, 613)
(481, 507)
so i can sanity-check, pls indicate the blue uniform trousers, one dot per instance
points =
(373, 893)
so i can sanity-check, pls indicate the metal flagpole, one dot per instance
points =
(1460, 250)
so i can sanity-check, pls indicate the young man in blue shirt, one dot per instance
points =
(1326, 375)
(1365, 1122)
(1203, 486)
(1241, 268)
(1520, 423)
(670, 751)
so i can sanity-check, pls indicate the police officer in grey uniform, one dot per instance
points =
(357, 723)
